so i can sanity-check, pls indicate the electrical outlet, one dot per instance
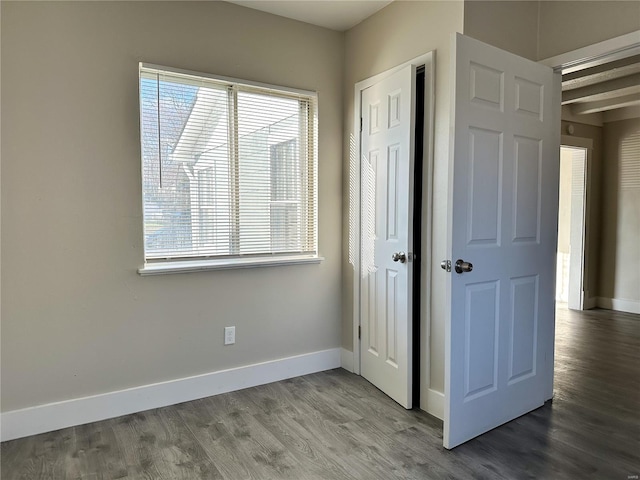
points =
(229, 335)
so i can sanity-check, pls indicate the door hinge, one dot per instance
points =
(360, 123)
(359, 331)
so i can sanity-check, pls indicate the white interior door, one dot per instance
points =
(387, 112)
(503, 221)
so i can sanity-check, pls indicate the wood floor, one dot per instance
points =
(335, 425)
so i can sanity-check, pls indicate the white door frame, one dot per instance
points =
(597, 54)
(428, 60)
(587, 301)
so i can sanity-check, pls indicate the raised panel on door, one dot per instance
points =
(481, 339)
(371, 314)
(523, 327)
(391, 192)
(486, 86)
(527, 189)
(485, 186)
(391, 318)
(529, 98)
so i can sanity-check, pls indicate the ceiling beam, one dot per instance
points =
(611, 88)
(604, 105)
(598, 77)
(601, 68)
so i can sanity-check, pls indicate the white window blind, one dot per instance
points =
(228, 168)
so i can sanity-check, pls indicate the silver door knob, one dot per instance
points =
(399, 257)
(462, 266)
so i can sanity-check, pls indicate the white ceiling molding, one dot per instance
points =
(593, 55)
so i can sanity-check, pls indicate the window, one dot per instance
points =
(228, 172)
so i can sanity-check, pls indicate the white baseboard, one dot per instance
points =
(590, 302)
(346, 360)
(78, 411)
(619, 304)
(434, 404)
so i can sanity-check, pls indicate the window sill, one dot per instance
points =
(187, 266)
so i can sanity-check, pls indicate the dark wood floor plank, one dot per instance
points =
(237, 443)
(359, 401)
(158, 445)
(270, 457)
(96, 453)
(18, 459)
(306, 446)
(217, 440)
(335, 425)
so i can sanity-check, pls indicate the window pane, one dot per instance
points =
(268, 164)
(184, 132)
(285, 196)
(164, 110)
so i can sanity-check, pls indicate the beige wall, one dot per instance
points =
(620, 259)
(511, 26)
(568, 25)
(376, 45)
(593, 248)
(76, 317)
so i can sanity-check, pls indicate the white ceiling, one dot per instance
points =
(334, 14)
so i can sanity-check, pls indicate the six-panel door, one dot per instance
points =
(387, 180)
(503, 218)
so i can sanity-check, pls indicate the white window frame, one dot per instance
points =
(184, 265)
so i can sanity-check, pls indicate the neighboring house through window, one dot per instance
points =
(286, 196)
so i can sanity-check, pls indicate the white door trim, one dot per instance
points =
(592, 55)
(428, 60)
